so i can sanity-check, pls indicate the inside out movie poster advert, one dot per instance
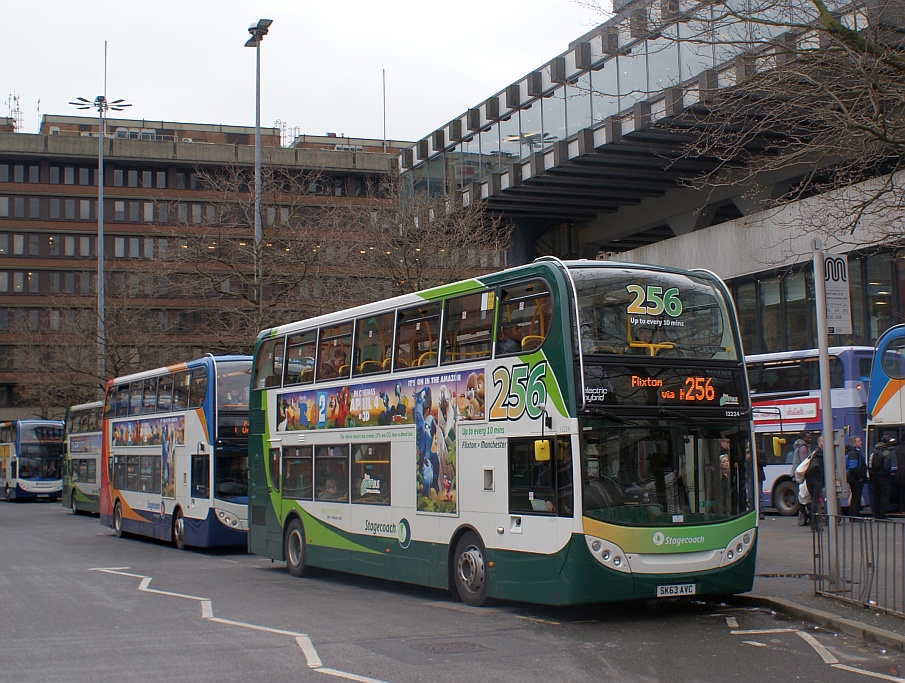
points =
(432, 404)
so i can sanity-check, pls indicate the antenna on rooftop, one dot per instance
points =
(12, 105)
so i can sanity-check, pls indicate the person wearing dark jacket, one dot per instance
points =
(855, 474)
(814, 479)
(880, 473)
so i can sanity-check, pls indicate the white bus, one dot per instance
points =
(31, 459)
(175, 453)
(82, 458)
(785, 402)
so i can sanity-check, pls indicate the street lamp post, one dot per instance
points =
(102, 105)
(258, 31)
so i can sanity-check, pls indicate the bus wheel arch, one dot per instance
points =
(118, 519)
(468, 568)
(178, 529)
(785, 497)
(294, 547)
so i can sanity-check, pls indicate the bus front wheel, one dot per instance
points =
(470, 570)
(179, 529)
(785, 498)
(73, 504)
(118, 520)
(294, 548)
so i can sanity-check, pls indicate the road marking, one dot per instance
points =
(207, 612)
(731, 622)
(825, 654)
(819, 648)
(872, 674)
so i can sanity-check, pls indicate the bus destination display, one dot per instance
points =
(638, 386)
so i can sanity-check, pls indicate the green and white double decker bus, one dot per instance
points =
(82, 457)
(558, 433)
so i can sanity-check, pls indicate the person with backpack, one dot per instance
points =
(880, 474)
(855, 474)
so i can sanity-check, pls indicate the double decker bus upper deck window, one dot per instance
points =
(651, 313)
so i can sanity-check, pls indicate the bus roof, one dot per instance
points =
(176, 367)
(545, 263)
(805, 353)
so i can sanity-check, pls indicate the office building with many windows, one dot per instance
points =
(155, 179)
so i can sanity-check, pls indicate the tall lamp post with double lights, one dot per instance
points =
(103, 105)
(258, 31)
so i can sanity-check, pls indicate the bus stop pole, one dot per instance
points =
(826, 407)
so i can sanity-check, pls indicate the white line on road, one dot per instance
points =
(825, 654)
(207, 612)
(872, 674)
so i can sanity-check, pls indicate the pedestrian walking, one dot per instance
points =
(814, 479)
(880, 474)
(855, 474)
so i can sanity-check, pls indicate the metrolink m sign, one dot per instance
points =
(838, 302)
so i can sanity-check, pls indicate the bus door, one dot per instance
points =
(540, 489)
(263, 518)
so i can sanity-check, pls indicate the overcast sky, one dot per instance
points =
(321, 65)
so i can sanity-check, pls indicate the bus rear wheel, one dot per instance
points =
(118, 519)
(294, 548)
(785, 498)
(469, 570)
(179, 529)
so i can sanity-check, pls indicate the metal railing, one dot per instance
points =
(861, 560)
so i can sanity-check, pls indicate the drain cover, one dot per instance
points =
(448, 648)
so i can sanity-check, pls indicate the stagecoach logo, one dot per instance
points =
(404, 533)
(678, 541)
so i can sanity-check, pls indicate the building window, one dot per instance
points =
(119, 247)
(54, 175)
(69, 175)
(53, 245)
(133, 178)
(118, 178)
(34, 207)
(69, 209)
(18, 245)
(84, 246)
(4, 245)
(119, 211)
(34, 245)
(56, 208)
(4, 207)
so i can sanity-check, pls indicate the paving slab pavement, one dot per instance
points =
(784, 582)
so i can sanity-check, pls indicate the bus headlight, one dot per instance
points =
(608, 554)
(737, 548)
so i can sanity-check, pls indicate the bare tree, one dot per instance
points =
(216, 263)
(813, 102)
(421, 241)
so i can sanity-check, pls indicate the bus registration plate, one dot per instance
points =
(675, 590)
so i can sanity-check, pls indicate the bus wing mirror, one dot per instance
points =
(542, 450)
(778, 443)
